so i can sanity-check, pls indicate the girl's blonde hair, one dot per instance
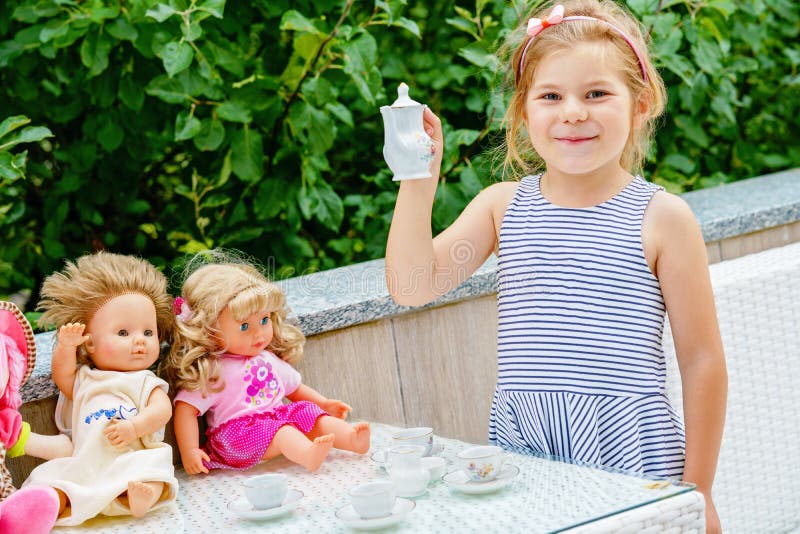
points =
(520, 157)
(84, 286)
(207, 291)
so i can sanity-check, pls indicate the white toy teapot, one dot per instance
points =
(407, 149)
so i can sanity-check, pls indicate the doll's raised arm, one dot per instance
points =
(64, 366)
(152, 418)
(334, 407)
(187, 434)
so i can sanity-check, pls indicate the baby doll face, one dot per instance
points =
(124, 334)
(248, 337)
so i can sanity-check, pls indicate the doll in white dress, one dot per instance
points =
(111, 311)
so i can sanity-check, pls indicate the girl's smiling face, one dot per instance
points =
(579, 111)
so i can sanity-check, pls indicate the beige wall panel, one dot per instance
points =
(40, 416)
(356, 365)
(714, 252)
(737, 246)
(448, 367)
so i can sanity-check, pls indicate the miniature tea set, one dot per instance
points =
(412, 463)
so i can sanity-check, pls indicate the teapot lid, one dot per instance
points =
(403, 99)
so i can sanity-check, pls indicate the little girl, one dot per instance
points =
(111, 311)
(234, 365)
(590, 257)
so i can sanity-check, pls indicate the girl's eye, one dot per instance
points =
(596, 94)
(148, 333)
(122, 332)
(264, 320)
(550, 96)
(244, 327)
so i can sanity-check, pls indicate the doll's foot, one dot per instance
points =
(142, 496)
(360, 441)
(318, 451)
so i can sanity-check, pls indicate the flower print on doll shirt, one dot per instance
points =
(107, 414)
(264, 386)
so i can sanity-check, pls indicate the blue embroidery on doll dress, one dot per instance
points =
(122, 412)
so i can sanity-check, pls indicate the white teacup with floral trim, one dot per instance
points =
(418, 435)
(481, 463)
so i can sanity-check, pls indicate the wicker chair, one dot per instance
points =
(757, 488)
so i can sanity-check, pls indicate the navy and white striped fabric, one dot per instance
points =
(581, 371)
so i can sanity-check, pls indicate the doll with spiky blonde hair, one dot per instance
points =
(110, 311)
(234, 368)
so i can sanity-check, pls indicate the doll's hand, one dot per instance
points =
(193, 461)
(120, 433)
(336, 408)
(71, 335)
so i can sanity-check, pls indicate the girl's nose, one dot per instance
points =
(573, 110)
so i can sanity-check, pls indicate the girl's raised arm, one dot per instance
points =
(420, 268)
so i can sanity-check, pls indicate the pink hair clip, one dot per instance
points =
(556, 16)
(181, 309)
(535, 26)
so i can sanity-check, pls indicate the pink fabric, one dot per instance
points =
(242, 442)
(10, 426)
(16, 362)
(32, 510)
(253, 385)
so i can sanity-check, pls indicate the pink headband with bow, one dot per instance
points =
(556, 16)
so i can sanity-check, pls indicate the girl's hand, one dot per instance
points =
(71, 335)
(120, 433)
(193, 461)
(433, 127)
(336, 408)
(713, 525)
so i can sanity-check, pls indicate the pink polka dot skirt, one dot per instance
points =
(241, 443)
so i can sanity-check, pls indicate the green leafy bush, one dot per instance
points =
(185, 124)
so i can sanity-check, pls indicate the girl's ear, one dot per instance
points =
(641, 109)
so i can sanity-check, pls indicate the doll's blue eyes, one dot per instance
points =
(245, 326)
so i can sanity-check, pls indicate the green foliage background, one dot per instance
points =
(180, 125)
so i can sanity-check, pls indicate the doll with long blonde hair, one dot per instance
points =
(235, 367)
(111, 311)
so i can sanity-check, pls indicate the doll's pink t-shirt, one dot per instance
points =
(253, 384)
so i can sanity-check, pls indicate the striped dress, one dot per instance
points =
(581, 370)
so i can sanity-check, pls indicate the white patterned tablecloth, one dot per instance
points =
(546, 496)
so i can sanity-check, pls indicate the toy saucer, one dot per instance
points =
(243, 508)
(348, 515)
(379, 456)
(459, 481)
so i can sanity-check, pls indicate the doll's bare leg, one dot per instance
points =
(142, 496)
(48, 447)
(297, 447)
(349, 437)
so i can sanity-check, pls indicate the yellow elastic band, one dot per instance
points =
(19, 447)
